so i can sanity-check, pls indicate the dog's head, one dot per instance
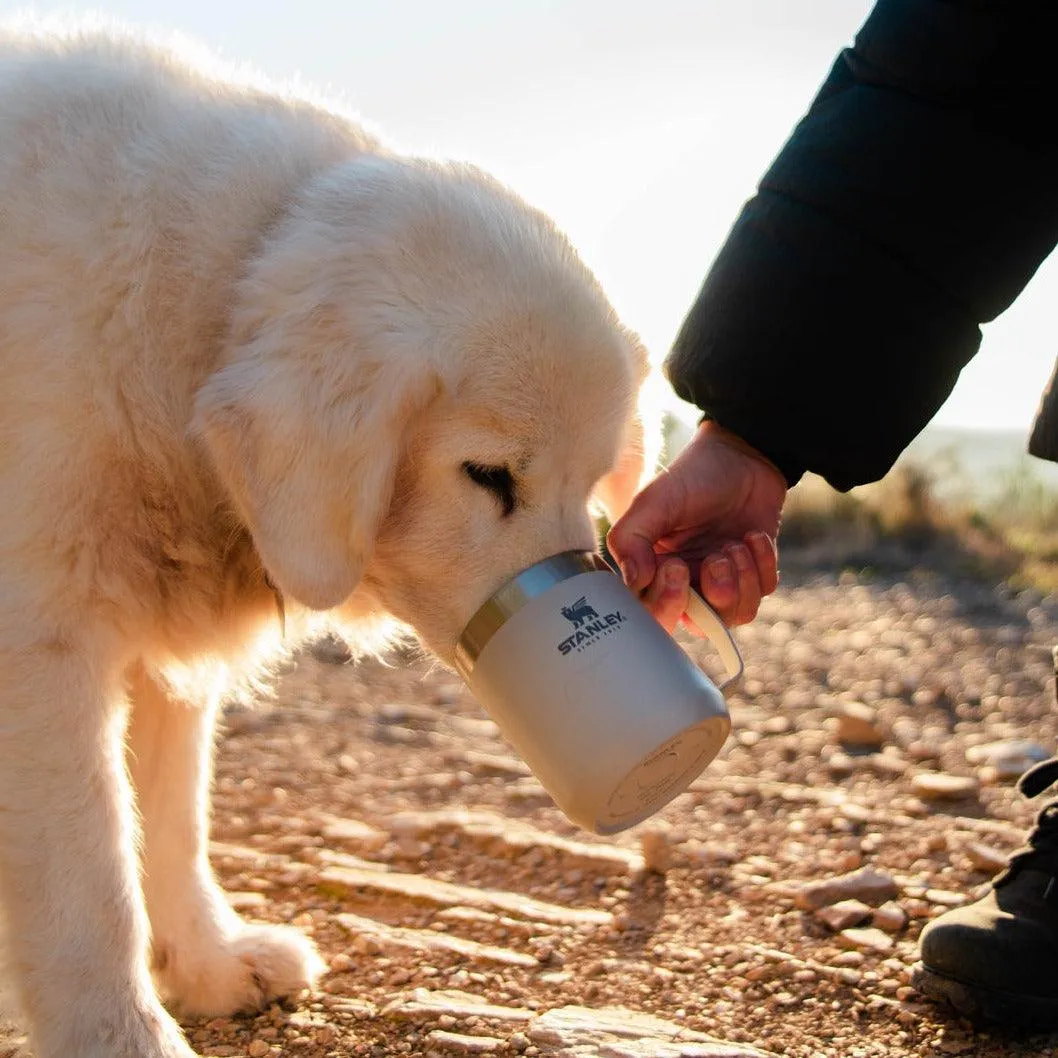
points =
(423, 390)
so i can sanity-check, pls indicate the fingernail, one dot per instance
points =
(628, 571)
(675, 577)
(720, 571)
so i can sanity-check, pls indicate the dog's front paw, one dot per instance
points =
(240, 973)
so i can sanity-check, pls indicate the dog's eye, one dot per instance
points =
(497, 480)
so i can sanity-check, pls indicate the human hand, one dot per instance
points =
(710, 519)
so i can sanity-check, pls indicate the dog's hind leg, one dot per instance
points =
(75, 921)
(206, 960)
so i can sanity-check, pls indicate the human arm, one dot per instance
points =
(913, 202)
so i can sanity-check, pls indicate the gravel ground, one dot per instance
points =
(460, 913)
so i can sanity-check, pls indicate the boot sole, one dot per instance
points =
(986, 1004)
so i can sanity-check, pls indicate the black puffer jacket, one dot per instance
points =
(912, 203)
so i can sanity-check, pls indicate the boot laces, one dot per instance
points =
(1043, 838)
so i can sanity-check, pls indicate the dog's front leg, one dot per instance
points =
(206, 960)
(68, 882)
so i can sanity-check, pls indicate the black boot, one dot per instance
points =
(997, 959)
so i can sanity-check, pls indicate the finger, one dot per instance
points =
(719, 587)
(649, 518)
(765, 555)
(666, 598)
(748, 584)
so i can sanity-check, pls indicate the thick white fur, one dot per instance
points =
(239, 339)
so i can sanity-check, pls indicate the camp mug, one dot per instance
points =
(604, 706)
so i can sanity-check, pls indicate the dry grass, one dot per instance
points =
(901, 522)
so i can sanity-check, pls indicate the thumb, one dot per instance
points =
(632, 537)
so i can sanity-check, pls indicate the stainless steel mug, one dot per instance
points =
(597, 698)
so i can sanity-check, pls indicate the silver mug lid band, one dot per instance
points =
(516, 593)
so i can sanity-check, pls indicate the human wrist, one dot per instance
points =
(712, 432)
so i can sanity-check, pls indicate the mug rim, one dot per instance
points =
(516, 593)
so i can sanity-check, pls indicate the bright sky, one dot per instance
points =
(640, 126)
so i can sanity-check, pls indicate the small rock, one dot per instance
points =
(840, 765)
(844, 914)
(890, 916)
(258, 1049)
(348, 764)
(984, 857)
(457, 1043)
(558, 977)
(938, 785)
(869, 939)
(922, 751)
(422, 1002)
(917, 908)
(946, 898)
(616, 1032)
(1007, 759)
(355, 832)
(246, 901)
(656, 846)
(866, 884)
(848, 959)
(858, 725)
(855, 812)
(887, 765)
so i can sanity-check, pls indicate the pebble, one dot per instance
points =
(890, 917)
(458, 1043)
(617, 1031)
(945, 897)
(868, 939)
(656, 845)
(844, 914)
(840, 765)
(847, 959)
(866, 884)
(1006, 759)
(923, 751)
(857, 813)
(247, 901)
(887, 765)
(858, 725)
(258, 1049)
(938, 785)
(917, 908)
(984, 857)
(356, 832)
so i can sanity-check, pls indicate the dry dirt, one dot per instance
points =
(530, 921)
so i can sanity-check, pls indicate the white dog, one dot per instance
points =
(246, 352)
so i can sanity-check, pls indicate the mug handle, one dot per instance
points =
(708, 620)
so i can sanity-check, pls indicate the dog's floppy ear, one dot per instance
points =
(306, 442)
(617, 488)
(641, 447)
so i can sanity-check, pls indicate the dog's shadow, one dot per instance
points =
(645, 907)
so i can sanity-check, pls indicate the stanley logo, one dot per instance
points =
(588, 625)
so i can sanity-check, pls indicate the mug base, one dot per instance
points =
(662, 775)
